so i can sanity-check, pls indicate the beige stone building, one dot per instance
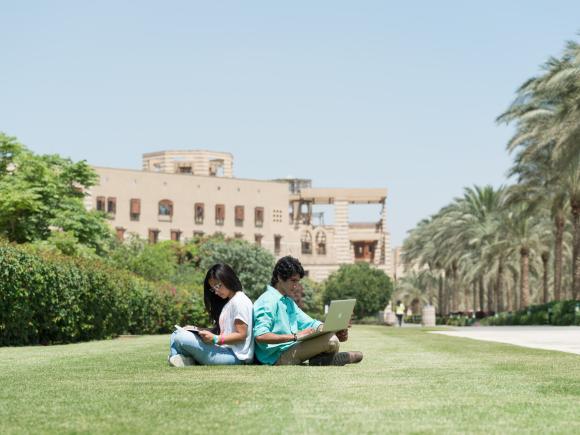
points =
(183, 194)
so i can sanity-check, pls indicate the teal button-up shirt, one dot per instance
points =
(280, 315)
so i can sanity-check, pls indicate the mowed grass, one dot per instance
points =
(409, 381)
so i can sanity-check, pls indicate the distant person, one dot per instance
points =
(230, 340)
(400, 312)
(279, 322)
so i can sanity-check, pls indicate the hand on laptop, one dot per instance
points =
(343, 334)
(304, 332)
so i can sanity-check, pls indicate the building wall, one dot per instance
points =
(185, 191)
(154, 184)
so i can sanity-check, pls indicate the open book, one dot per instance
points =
(192, 329)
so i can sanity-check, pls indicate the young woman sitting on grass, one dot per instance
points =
(231, 311)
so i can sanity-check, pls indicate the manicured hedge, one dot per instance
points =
(56, 299)
(455, 320)
(561, 313)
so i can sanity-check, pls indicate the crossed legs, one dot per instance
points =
(304, 350)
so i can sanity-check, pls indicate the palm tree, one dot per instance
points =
(547, 112)
(480, 225)
(541, 186)
(526, 235)
(416, 288)
(421, 252)
(452, 243)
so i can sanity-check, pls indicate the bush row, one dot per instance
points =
(455, 320)
(561, 313)
(47, 299)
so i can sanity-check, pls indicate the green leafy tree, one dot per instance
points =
(370, 287)
(65, 243)
(155, 262)
(43, 194)
(312, 299)
(252, 264)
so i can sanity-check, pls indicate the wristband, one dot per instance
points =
(222, 339)
(295, 336)
(215, 339)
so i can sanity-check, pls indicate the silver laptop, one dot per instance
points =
(338, 317)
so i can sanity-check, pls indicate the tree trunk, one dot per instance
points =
(524, 278)
(455, 290)
(558, 244)
(509, 299)
(481, 294)
(447, 292)
(545, 258)
(490, 304)
(515, 295)
(440, 300)
(444, 294)
(474, 288)
(575, 203)
(466, 294)
(498, 286)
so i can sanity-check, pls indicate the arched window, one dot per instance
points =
(220, 214)
(165, 207)
(306, 242)
(199, 212)
(321, 243)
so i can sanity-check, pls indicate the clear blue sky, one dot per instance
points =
(401, 95)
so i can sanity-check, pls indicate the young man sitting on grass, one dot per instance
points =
(279, 322)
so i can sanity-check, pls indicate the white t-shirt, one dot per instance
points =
(239, 307)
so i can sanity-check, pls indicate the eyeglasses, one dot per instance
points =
(215, 288)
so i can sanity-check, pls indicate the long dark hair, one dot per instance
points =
(285, 268)
(213, 303)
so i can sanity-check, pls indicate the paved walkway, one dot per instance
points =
(562, 338)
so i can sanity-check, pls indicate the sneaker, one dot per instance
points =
(181, 361)
(336, 359)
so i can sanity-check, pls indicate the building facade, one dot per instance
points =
(184, 194)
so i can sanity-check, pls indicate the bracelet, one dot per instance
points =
(215, 339)
(223, 339)
(295, 336)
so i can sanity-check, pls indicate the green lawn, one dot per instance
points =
(409, 381)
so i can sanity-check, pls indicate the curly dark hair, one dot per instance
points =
(213, 303)
(285, 268)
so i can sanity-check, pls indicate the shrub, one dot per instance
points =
(252, 264)
(370, 286)
(56, 299)
(455, 320)
(553, 313)
(312, 300)
(155, 262)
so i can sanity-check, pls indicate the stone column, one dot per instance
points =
(386, 252)
(296, 213)
(201, 165)
(168, 165)
(378, 253)
(228, 168)
(341, 237)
